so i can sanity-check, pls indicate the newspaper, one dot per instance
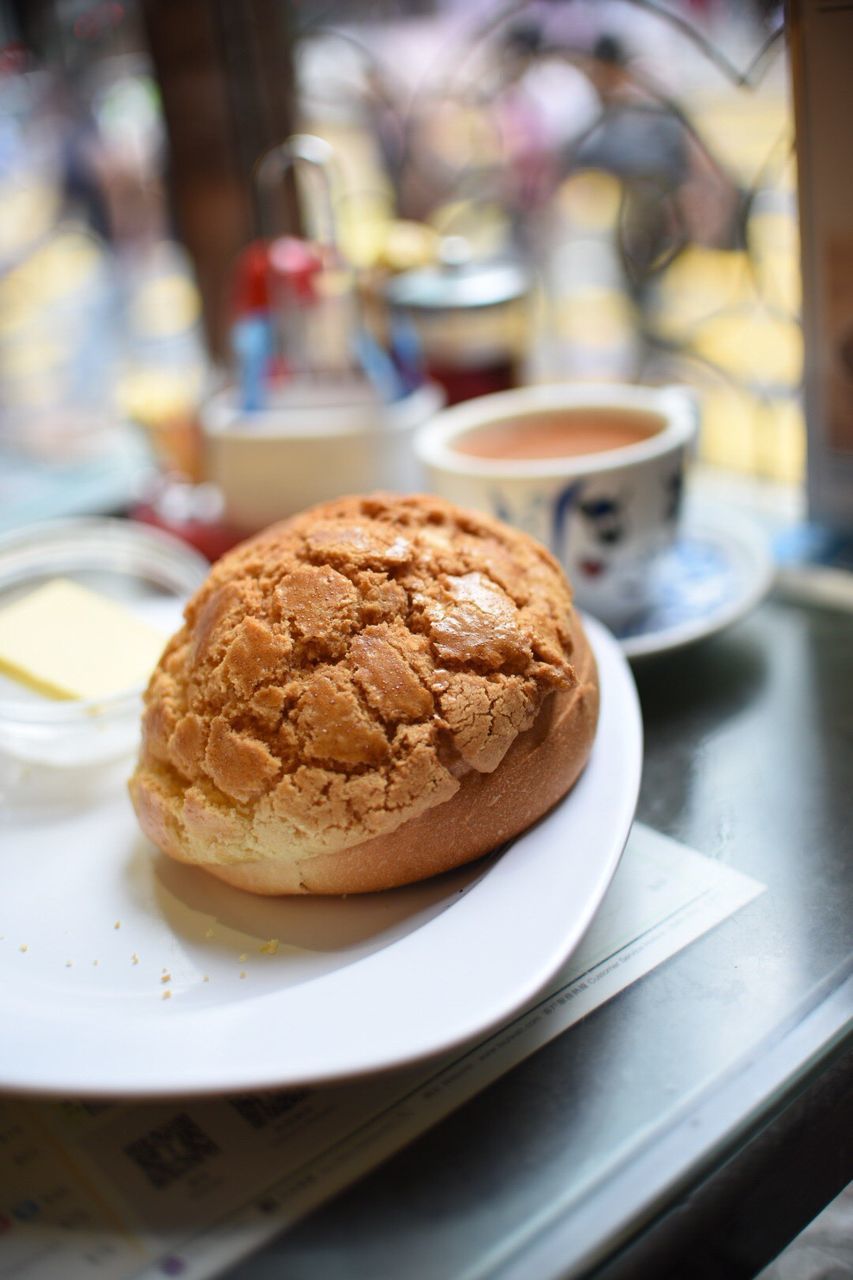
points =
(188, 1187)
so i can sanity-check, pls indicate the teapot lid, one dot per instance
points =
(457, 282)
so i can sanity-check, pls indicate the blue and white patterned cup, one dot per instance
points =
(608, 516)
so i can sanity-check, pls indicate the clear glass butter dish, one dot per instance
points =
(68, 749)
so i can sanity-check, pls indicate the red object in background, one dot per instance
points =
(462, 383)
(250, 280)
(191, 512)
(275, 279)
(14, 59)
(294, 264)
(212, 540)
(267, 268)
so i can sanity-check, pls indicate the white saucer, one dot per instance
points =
(718, 571)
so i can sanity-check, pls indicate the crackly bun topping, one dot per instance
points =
(338, 673)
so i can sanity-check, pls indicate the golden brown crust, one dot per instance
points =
(358, 698)
(542, 764)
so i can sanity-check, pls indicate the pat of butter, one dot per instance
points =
(66, 641)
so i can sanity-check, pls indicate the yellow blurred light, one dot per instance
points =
(775, 249)
(156, 396)
(595, 318)
(165, 306)
(759, 437)
(781, 440)
(755, 347)
(27, 211)
(31, 358)
(483, 224)
(394, 245)
(590, 200)
(51, 274)
(727, 434)
(700, 281)
(362, 219)
(407, 245)
(742, 130)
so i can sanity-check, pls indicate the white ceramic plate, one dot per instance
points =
(97, 928)
(719, 570)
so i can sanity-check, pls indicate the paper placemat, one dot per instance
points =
(186, 1188)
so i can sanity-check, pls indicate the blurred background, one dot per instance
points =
(629, 166)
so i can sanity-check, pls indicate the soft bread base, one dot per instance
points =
(489, 808)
